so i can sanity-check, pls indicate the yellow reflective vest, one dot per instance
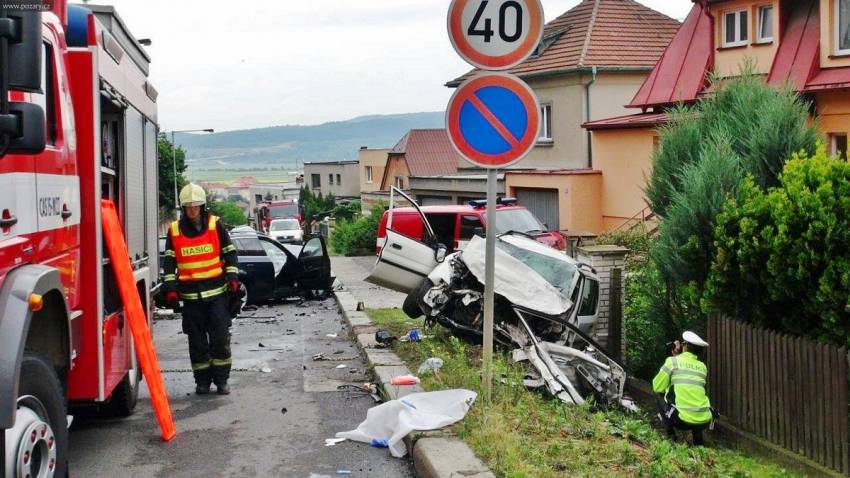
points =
(686, 376)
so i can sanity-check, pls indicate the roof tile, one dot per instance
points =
(428, 152)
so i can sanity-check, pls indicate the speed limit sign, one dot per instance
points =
(495, 34)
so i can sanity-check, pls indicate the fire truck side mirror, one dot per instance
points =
(23, 29)
(22, 123)
(25, 127)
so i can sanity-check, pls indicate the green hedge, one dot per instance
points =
(357, 236)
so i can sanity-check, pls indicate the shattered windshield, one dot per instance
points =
(559, 273)
(520, 220)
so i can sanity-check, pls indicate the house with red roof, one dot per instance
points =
(802, 42)
(420, 152)
(589, 65)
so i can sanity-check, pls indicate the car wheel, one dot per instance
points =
(37, 445)
(411, 302)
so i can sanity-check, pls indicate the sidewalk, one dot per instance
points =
(433, 456)
(351, 272)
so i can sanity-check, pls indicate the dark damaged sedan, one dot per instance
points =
(270, 270)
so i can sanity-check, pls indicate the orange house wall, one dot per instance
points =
(579, 195)
(625, 159)
(833, 112)
(728, 61)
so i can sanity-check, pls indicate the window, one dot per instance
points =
(369, 174)
(839, 145)
(316, 180)
(277, 256)
(47, 101)
(589, 298)
(399, 182)
(735, 28)
(339, 180)
(249, 246)
(765, 24)
(331, 179)
(468, 225)
(545, 124)
(842, 28)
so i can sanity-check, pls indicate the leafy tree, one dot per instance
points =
(315, 206)
(783, 256)
(165, 171)
(268, 197)
(353, 237)
(744, 128)
(231, 215)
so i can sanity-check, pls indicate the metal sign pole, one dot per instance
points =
(489, 279)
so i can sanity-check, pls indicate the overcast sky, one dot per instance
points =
(235, 65)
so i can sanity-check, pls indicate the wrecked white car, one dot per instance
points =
(546, 304)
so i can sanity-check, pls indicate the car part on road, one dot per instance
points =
(404, 380)
(571, 373)
(384, 338)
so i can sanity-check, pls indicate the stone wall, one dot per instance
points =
(605, 259)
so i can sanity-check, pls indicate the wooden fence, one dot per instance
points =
(787, 390)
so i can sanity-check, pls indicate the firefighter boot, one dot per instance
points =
(222, 388)
(202, 389)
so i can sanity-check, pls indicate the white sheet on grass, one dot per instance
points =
(393, 420)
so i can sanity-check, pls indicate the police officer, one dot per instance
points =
(683, 402)
(200, 269)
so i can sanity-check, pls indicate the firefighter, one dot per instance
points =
(683, 402)
(200, 269)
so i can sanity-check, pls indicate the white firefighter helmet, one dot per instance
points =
(192, 195)
(694, 339)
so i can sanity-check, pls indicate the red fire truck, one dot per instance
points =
(271, 210)
(81, 125)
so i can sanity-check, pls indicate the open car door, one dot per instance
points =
(316, 265)
(404, 261)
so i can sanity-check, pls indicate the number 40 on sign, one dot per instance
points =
(495, 34)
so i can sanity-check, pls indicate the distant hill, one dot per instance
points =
(284, 146)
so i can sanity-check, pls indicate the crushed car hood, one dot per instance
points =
(515, 281)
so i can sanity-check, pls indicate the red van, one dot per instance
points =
(454, 226)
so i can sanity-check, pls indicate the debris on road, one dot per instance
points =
(334, 441)
(384, 338)
(325, 358)
(431, 365)
(333, 336)
(393, 420)
(342, 365)
(404, 380)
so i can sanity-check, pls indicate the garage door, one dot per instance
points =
(434, 200)
(543, 203)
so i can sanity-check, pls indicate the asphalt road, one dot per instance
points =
(273, 424)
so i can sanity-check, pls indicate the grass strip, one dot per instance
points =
(523, 433)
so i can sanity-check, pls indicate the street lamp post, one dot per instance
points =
(174, 160)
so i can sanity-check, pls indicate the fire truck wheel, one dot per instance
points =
(126, 394)
(37, 445)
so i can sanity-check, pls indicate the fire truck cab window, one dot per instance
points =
(47, 101)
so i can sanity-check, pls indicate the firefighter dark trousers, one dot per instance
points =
(207, 325)
(670, 417)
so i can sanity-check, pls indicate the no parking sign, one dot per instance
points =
(493, 120)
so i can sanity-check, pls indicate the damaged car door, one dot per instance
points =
(316, 265)
(404, 261)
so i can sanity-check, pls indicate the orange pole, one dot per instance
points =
(135, 314)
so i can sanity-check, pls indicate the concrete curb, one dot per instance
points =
(433, 457)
